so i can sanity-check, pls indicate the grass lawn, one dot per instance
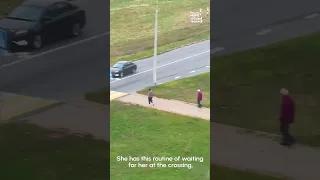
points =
(245, 87)
(184, 89)
(6, 6)
(28, 149)
(223, 173)
(146, 132)
(132, 26)
(31, 153)
(101, 96)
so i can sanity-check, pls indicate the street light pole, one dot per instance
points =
(155, 47)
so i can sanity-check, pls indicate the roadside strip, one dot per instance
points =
(115, 95)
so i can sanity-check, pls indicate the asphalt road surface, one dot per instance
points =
(195, 60)
(233, 18)
(83, 66)
(65, 68)
(179, 63)
(97, 14)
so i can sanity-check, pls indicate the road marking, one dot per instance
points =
(192, 71)
(115, 95)
(173, 62)
(207, 66)
(5, 53)
(264, 32)
(177, 77)
(55, 49)
(217, 49)
(22, 54)
(311, 16)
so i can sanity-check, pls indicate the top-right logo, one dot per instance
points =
(196, 17)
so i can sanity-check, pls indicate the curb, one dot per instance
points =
(16, 118)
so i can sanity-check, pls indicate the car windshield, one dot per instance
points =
(26, 13)
(118, 65)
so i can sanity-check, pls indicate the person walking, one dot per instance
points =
(150, 97)
(199, 99)
(287, 116)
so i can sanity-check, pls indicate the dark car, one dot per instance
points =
(36, 22)
(122, 68)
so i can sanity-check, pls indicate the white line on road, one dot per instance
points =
(177, 77)
(207, 66)
(264, 32)
(217, 49)
(55, 49)
(5, 53)
(22, 54)
(173, 62)
(312, 16)
(192, 71)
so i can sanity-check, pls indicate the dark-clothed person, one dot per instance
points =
(199, 98)
(150, 97)
(287, 116)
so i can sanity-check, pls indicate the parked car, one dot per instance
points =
(36, 22)
(123, 68)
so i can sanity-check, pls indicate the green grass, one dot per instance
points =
(28, 149)
(223, 173)
(28, 152)
(245, 87)
(184, 89)
(6, 6)
(162, 49)
(101, 96)
(139, 131)
(132, 26)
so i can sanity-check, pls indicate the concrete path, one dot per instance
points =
(13, 106)
(230, 146)
(173, 106)
(261, 152)
(239, 149)
(77, 116)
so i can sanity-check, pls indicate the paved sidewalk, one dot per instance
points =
(173, 106)
(231, 146)
(236, 148)
(261, 152)
(14, 106)
(77, 116)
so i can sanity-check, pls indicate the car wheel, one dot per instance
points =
(76, 29)
(121, 74)
(37, 42)
(134, 71)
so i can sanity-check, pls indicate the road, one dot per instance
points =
(196, 64)
(234, 18)
(179, 63)
(96, 13)
(83, 66)
(66, 68)
(304, 25)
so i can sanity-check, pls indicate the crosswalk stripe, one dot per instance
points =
(115, 95)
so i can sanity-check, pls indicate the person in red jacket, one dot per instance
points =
(287, 116)
(199, 99)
